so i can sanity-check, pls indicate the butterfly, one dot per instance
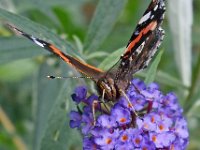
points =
(140, 49)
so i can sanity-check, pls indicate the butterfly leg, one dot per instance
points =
(129, 102)
(137, 89)
(94, 106)
(103, 102)
(104, 108)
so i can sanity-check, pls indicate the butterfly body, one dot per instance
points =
(140, 49)
(108, 86)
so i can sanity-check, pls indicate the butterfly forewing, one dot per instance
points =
(149, 49)
(151, 19)
(86, 69)
(143, 43)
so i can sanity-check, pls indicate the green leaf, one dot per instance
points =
(18, 70)
(194, 93)
(37, 30)
(192, 103)
(151, 73)
(96, 55)
(106, 15)
(53, 104)
(64, 3)
(112, 59)
(45, 92)
(168, 80)
(67, 23)
(14, 48)
(78, 44)
(58, 131)
(165, 79)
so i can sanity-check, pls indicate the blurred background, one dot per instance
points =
(34, 110)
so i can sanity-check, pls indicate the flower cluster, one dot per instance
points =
(144, 119)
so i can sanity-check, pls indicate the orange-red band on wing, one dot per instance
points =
(80, 66)
(150, 27)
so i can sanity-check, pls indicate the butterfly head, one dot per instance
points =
(106, 87)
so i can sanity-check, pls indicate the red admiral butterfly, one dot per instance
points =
(141, 47)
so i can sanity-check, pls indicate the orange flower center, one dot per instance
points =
(122, 120)
(154, 138)
(146, 126)
(108, 140)
(152, 119)
(172, 147)
(124, 138)
(161, 127)
(144, 148)
(137, 140)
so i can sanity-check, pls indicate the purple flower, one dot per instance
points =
(180, 127)
(153, 86)
(79, 94)
(137, 137)
(147, 120)
(87, 120)
(106, 121)
(122, 116)
(106, 139)
(75, 122)
(162, 140)
(88, 144)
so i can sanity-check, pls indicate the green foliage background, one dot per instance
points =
(94, 31)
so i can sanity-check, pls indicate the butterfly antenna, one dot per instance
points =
(57, 77)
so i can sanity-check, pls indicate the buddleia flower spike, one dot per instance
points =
(159, 125)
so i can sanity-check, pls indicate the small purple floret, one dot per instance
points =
(79, 94)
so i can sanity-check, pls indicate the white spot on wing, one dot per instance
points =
(155, 8)
(136, 32)
(37, 42)
(145, 17)
(139, 49)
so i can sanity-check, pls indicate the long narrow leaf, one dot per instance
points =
(180, 19)
(14, 48)
(151, 73)
(36, 29)
(109, 61)
(105, 17)
(58, 134)
(46, 93)
(52, 126)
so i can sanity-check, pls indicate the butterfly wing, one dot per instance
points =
(151, 19)
(143, 43)
(82, 67)
(148, 50)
